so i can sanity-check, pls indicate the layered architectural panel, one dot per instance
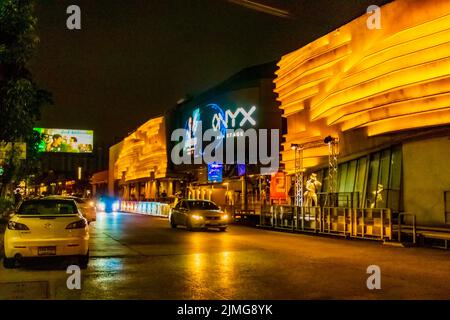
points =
(143, 153)
(381, 80)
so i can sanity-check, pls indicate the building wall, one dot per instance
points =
(376, 82)
(426, 175)
(114, 152)
(143, 154)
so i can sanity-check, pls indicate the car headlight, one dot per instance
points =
(92, 203)
(12, 225)
(196, 217)
(225, 217)
(101, 206)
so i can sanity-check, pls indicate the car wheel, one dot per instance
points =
(173, 224)
(223, 229)
(9, 263)
(189, 225)
(84, 261)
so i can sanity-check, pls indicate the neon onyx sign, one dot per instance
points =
(221, 120)
(196, 145)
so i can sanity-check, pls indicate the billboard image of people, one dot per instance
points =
(66, 140)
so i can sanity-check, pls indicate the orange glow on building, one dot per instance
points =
(377, 81)
(143, 153)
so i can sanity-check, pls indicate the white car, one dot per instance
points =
(86, 206)
(46, 227)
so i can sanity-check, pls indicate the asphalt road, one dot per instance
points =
(141, 257)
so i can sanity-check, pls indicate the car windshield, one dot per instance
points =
(47, 207)
(202, 205)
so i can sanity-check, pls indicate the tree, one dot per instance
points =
(20, 97)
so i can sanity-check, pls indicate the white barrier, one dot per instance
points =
(142, 207)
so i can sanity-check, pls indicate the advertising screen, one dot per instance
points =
(278, 186)
(66, 140)
(215, 172)
(241, 169)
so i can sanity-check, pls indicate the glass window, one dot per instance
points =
(372, 180)
(395, 178)
(342, 176)
(351, 175)
(202, 205)
(383, 179)
(47, 207)
(360, 180)
(396, 169)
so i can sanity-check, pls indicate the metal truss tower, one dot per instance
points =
(299, 170)
(298, 200)
(332, 165)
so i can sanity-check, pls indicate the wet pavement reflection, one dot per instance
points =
(141, 257)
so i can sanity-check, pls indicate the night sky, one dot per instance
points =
(134, 59)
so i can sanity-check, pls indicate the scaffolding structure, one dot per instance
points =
(332, 165)
(299, 170)
(298, 197)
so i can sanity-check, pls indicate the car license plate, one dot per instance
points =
(46, 251)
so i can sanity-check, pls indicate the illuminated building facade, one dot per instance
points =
(141, 167)
(385, 95)
(138, 164)
(244, 101)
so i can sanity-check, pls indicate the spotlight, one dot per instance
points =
(294, 146)
(329, 139)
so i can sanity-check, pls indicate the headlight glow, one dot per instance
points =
(101, 206)
(196, 217)
(225, 217)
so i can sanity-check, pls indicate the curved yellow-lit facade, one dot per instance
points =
(143, 152)
(376, 82)
(138, 164)
(385, 94)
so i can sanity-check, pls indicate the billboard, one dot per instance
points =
(66, 140)
(215, 172)
(278, 186)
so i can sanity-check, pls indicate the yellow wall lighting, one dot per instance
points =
(386, 80)
(143, 152)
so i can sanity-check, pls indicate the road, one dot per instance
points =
(140, 257)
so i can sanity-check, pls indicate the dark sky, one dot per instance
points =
(135, 58)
